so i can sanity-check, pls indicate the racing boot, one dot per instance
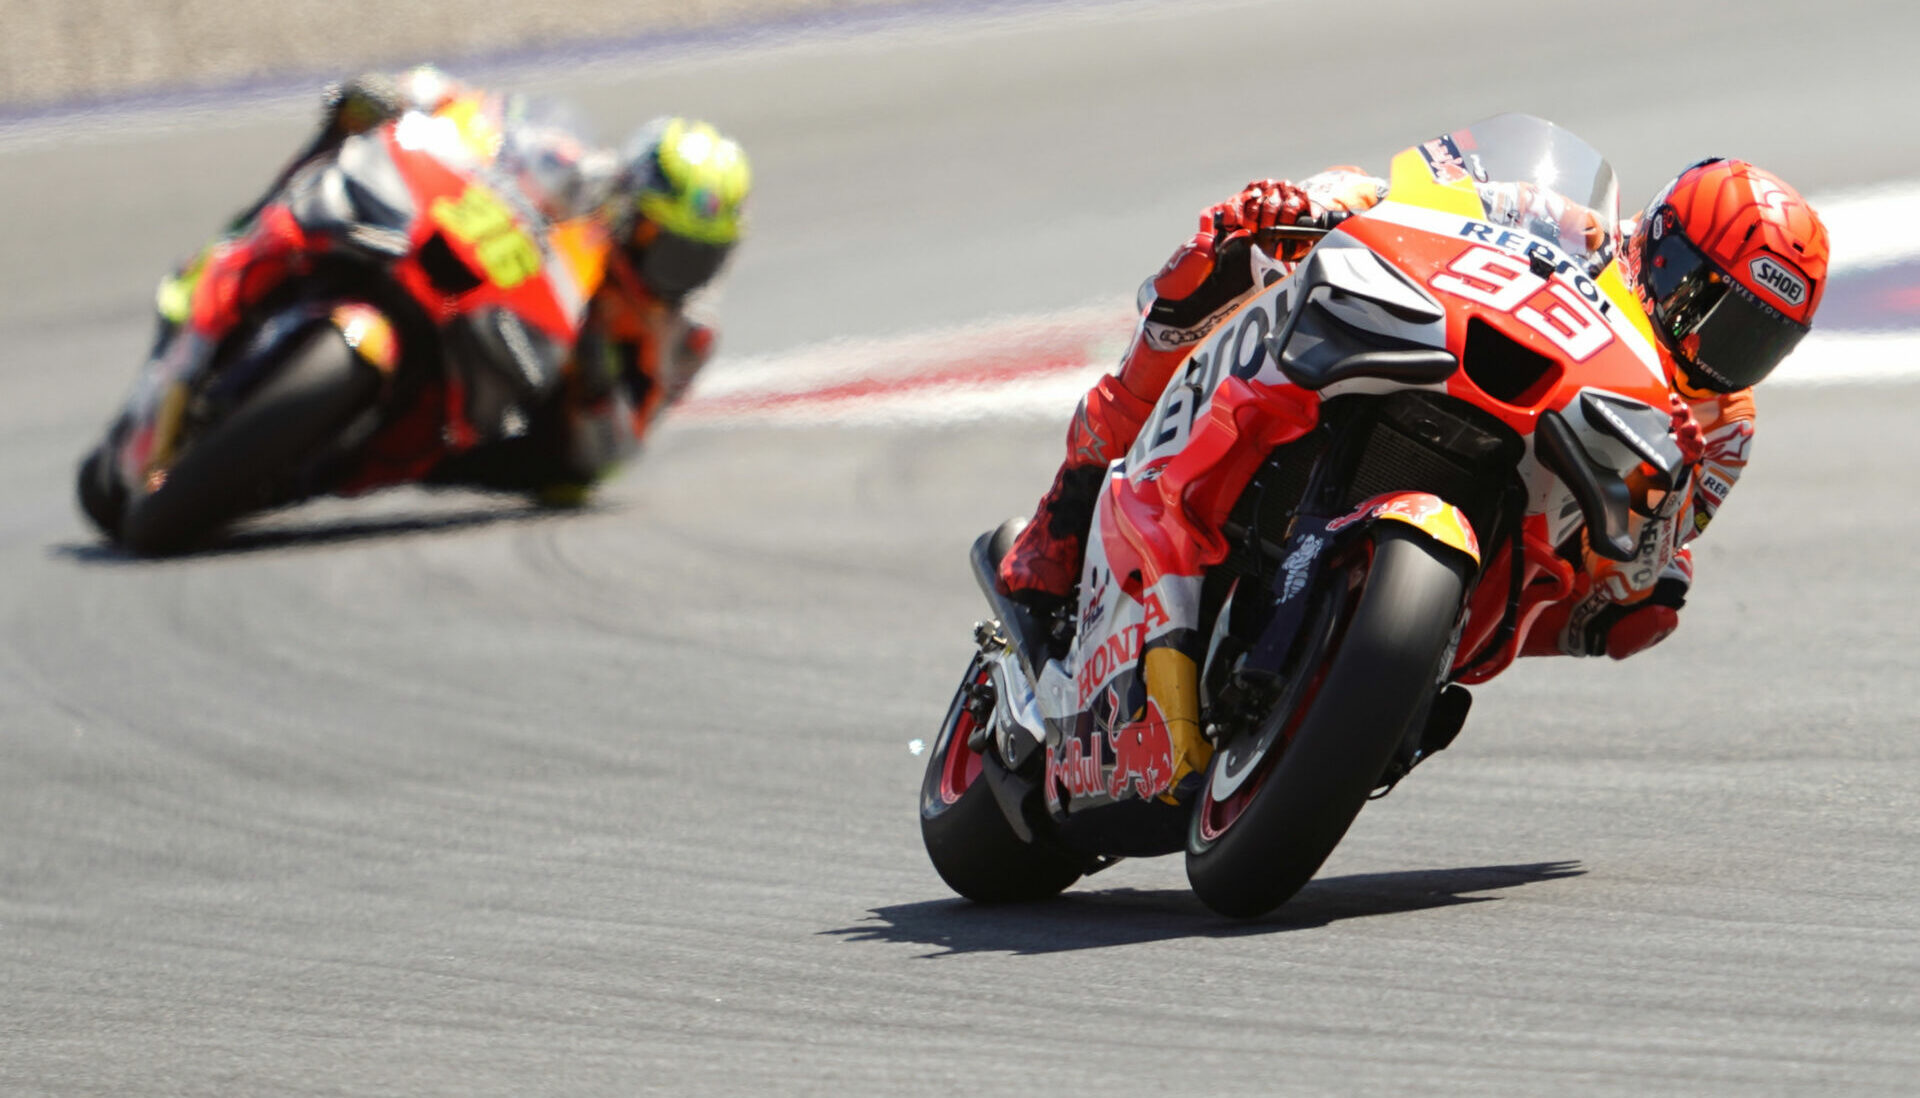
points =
(1044, 563)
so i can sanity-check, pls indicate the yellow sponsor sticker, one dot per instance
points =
(480, 220)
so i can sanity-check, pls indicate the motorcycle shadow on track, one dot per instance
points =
(1125, 916)
(307, 531)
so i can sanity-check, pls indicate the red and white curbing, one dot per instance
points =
(1024, 366)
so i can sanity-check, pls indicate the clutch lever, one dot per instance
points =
(1308, 230)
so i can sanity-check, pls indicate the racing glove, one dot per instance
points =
(1208, 274)
(1591, 623)
(1341, 191)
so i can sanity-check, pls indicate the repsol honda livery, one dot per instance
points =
(1352, 503)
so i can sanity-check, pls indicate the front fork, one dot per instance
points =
(1312, 543)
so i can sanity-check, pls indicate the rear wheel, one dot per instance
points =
(968, 838)
(1253, 844)
(229, 468)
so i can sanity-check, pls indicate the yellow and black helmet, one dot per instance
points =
(682, 186)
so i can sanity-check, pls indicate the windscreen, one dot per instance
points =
(1538, 178)
(546, 147)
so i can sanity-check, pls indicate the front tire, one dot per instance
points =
(101, 498)
(1249, 853)
(228, 469)
(968, 838)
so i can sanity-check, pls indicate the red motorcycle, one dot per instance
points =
(1353, 501)
(409, 294)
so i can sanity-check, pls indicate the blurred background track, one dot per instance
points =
(97, 49)
(429, 794)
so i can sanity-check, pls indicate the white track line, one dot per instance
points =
(1872, 226)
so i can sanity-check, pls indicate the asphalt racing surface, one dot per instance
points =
(433, 795)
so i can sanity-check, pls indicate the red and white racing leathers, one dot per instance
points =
(1615, 609)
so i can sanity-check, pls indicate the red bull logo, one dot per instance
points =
(1142, 762)
(1075, 769)
(1438, 519)
(1142, 756)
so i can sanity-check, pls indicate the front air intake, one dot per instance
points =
(1506, 370)
(444, 269)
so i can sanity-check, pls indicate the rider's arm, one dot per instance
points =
(596, 405)
(1625, 608)
(1726, 426)
(635, 357)
(1219, 268)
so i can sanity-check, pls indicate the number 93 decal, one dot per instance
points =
(1506, 283)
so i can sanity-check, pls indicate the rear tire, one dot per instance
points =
(229, 469)
(968, 838)
(1380, 674)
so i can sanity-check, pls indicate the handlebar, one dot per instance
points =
(1310, 229)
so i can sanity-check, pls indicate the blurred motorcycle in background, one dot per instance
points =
(408, 295)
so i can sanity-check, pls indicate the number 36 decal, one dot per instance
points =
(1505, 283)
(478, 218)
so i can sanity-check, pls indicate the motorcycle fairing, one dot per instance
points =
(1113, 737)
(500, 238)
(1158, 531)
(1440, 238)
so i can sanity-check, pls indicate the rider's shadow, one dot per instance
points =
(1125, 916)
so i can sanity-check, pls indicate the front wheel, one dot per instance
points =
(228, 468)
(101, 497)
(968, 838)
(1252, 847)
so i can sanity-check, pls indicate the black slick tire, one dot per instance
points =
(1378, 676)
(227, 469)
(971, 844)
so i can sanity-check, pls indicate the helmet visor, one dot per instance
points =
(672, 266)
(1721, 333)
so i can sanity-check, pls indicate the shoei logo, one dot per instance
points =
(1786, 285)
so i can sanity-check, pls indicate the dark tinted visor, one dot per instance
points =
(672, 266)
(1727, 338)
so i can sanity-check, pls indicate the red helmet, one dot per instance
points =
(1732, 263)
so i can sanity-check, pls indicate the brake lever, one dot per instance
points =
(1270, 239)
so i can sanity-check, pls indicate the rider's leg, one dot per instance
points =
(1044, 562)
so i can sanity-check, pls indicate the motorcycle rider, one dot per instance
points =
(670, 204)
(1728, 261)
